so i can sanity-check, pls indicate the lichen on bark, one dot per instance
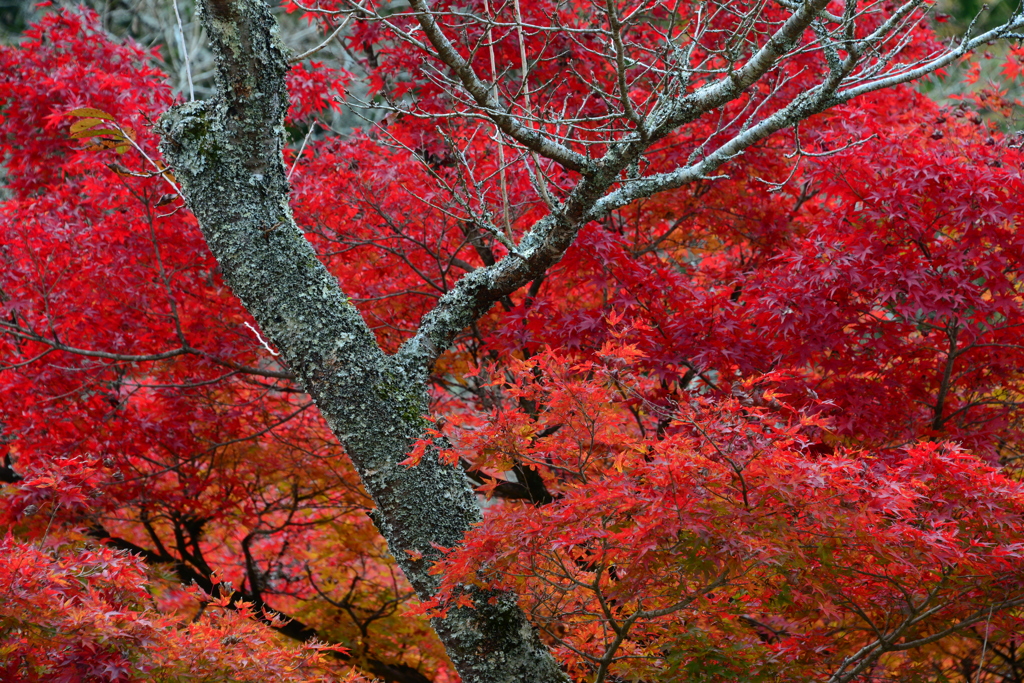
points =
(227, 156)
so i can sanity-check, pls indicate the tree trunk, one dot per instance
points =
(226, 154)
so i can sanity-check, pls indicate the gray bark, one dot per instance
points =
(226, 154)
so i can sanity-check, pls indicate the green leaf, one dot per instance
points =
(93, 113)
(98, 131)
(84, 124)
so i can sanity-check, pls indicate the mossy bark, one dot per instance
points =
(226, 154)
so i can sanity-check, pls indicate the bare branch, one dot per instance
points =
(484, 97)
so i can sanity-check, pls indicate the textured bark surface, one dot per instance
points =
(226, 153)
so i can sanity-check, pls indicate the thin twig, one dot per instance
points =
(984, 645)
(301, 148)
(184, 52)
(310, 53)
(262, 341)
(497, 137)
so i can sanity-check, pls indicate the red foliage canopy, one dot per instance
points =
(765, 425)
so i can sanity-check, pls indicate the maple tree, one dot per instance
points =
(84, 614)
(718, 314)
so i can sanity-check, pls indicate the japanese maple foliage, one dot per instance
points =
(77, 615)
(722, 550)
(762, 427)
(203, 455)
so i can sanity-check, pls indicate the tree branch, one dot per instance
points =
(484, 97)
(227, 156)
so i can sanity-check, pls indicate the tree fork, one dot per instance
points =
(227, 155)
